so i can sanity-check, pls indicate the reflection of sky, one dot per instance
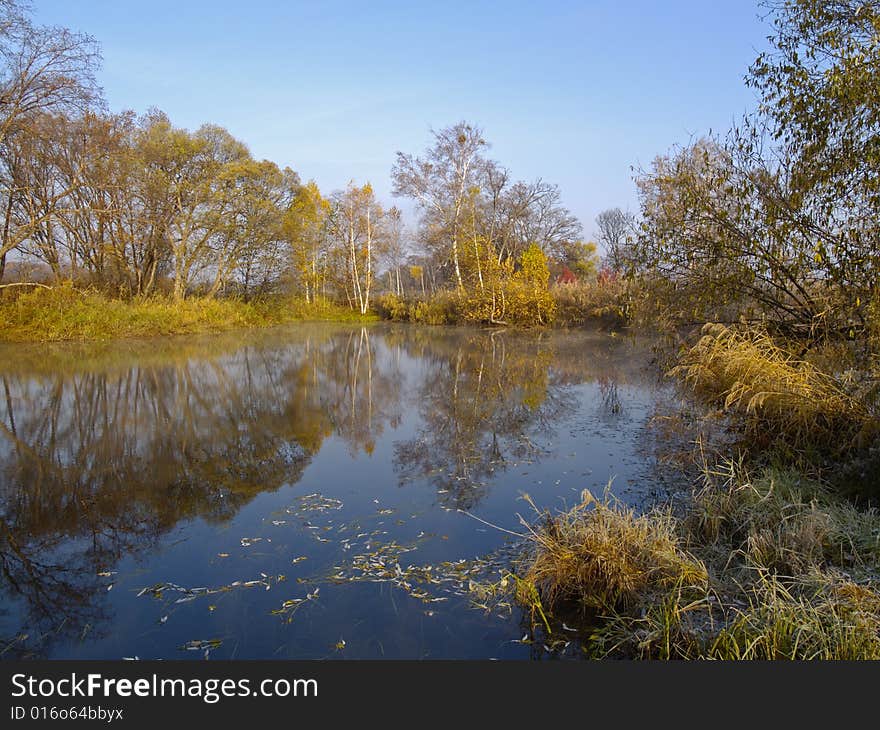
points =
(570, 441)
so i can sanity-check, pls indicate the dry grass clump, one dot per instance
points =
(824, 616)
(601, 556)
(781, 523)
(592, 302)
(777, 400)
(776, 567)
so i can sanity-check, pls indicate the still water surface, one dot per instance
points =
(302, 492)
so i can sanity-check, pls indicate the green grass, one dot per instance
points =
(61, 314)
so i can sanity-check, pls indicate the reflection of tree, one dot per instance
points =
(610, 404)
(361, 389)
(484, 399)
(104, 450)
(98, 464)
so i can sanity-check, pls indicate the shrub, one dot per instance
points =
(600, 302)
(390, 306)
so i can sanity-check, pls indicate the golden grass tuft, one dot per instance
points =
(777, 400)
(601, 556)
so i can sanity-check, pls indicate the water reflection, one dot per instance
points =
(105, 449)
(479, 409)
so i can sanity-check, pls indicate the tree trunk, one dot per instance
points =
(479, 267)
(179, 285)
(3, 244)
(368, 278)
(455, 261)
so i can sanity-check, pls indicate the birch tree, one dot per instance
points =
(356, 222)
(441, 180)
(305, 228)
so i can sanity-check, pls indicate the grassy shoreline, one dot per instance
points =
(764, 558)
(67, 314)
(770, 566)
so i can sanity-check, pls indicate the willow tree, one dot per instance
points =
(778, 220)
(820, 87)
(194, 172)
(251, 243)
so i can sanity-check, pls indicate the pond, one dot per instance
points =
(312, 491)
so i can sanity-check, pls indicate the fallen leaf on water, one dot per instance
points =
(197, 644)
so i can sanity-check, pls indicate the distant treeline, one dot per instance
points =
(775, 222)
(133, 205)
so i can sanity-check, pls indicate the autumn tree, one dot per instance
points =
(251, 246)
(305, 225)
(44, 70)
(395, 249)
(616, 230)
(820, 89)
(778, 220)
(440, 181)
(582, 259)
(356, 221)
(532, 212)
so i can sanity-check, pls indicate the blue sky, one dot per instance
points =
(573, 92)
